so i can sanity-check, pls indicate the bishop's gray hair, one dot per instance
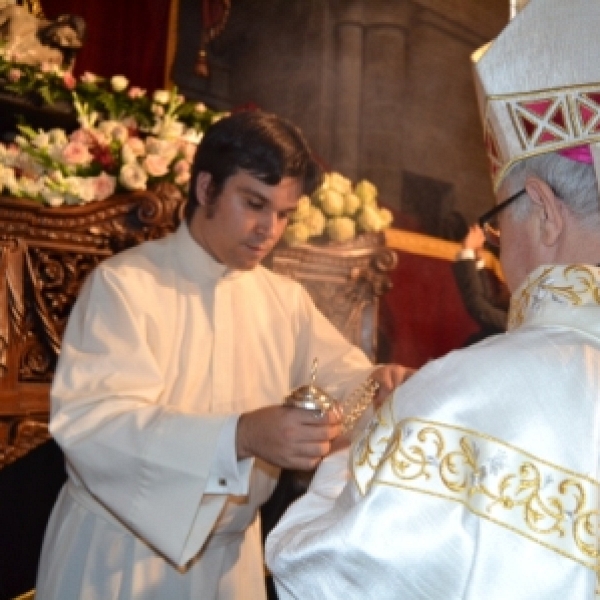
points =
(573, 182)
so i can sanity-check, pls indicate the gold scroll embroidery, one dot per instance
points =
(573, 285)
(547, 504)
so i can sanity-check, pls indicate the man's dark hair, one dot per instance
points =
(267, 146)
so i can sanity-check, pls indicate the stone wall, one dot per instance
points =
(382, 89)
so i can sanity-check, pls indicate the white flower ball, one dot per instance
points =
(332, 203)
(351, 204)
(339, 183)
(341, 229)
(302, 209)
(386, 216)
(369, 219)
(315, 221)
(296, 233)
(161, 96)
(366, 191)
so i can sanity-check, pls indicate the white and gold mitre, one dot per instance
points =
(538, 83)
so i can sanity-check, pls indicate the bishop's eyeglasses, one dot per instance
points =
(489, 221)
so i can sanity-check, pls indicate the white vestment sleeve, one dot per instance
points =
(140, 456)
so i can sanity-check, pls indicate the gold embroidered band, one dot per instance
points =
(547, 504)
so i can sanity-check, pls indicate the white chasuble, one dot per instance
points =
(477, 480)
(164, 349)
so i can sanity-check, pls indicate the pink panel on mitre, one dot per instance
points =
(547, 137)
(539, 108)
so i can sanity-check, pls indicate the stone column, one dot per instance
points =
(347, 97)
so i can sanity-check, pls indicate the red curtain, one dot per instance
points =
(422, 317)
(124, 37)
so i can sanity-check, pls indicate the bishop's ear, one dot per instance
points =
(549, 210)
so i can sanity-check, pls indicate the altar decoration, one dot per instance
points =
(337, 211)
(127, 139)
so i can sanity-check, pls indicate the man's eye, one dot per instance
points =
(255, 204)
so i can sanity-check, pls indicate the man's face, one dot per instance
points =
(248, 218)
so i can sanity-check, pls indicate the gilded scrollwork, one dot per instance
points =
(494, 480)
(344, 280)
(57, 248)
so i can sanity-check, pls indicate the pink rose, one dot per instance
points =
(14, 75)
(182, 178)
(69, 80)
(181, 166)
(136, 145)
(104, 186)
(82, 136)
(155, 165)
(76, 153)
(88, 77)
(136, 92)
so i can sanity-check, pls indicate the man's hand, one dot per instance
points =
(291, 438)
(389, 377)
(474, 239)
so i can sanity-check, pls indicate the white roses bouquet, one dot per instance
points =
(337, 211)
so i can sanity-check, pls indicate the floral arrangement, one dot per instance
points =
(127, 140)
(337, 211)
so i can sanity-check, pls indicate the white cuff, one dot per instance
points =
(228, 475)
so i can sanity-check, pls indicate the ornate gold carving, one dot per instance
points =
(45, 255)
(344, 280)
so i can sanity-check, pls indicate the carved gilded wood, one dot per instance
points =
(345, 282)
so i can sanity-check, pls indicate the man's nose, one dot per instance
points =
(267, 223)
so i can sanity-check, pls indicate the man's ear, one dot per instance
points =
(202, 186)
(550, 210)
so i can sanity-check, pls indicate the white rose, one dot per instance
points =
(57, 137)
(7, 178)
(168, 149)
(161, 96)
(79, 189)
(30, 187)
(133, 177)
(136, 145)
(128, 155)
(52, 197)
(119, 83)
(168, 129)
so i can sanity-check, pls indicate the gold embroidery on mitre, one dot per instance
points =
(542, 121)
(545, 503)
(573, 285)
